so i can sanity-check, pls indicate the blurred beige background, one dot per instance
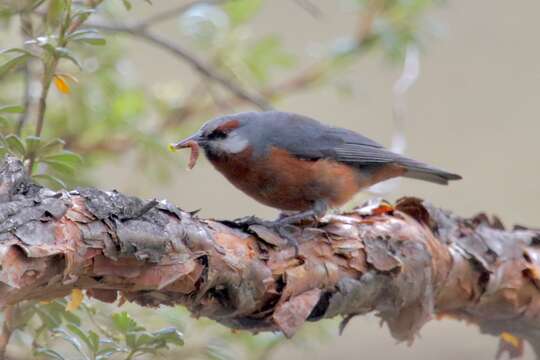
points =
(474, 110)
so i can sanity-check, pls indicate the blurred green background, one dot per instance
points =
(472, 110)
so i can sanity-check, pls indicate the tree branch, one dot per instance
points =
(408, 264)
(187, 56)
(173, 12)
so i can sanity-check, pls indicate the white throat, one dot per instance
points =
(232, 144)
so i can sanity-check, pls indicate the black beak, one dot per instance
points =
(197, 137)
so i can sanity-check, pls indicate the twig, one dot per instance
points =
(306, 78)
(365, 21)
(188, 57)
(80, 20)
(408, 77)
(173, 12)
(27, 32)
(216, 98)
(310, 8)
(49, 69)
(23, 117)
(303, 79)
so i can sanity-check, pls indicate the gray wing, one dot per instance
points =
(310, 139)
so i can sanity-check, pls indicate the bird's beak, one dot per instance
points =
(182, 144)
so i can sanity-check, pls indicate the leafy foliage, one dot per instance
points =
(52, 324)
(241, 11)
(57, 162)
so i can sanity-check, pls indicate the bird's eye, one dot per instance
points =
(217, 134)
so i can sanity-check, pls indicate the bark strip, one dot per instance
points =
(409, 263)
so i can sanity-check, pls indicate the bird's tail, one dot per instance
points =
(421, 171)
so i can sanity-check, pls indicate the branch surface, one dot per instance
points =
(409, 263)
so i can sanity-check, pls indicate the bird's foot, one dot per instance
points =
(248, 221)
(288, 221)
(312, 215)
(282, 230)
(278, 227)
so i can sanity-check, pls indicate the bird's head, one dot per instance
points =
(222, 136)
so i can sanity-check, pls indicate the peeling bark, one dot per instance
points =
(408, 263)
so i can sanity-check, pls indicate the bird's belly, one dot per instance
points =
(285, 182)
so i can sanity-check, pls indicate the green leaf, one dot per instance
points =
(50, 179)
(266, 54)
(47, 46)
(108, 351)
(47, 318)
(170, 335)
(82, 13)
(55, 309)
(143, 339)
(89, 36)
(66, 157)
(51, 147)
(25, 316)
(218, 352)
(71, 317)
(11, 109)
(48, 352)
(60, 167)
(105, 354)
(67, 54)
(131, 340)
(12, 63)
(16, 50)
(4, 122)
(54, 13)
(81, 32)
(15, 145)
(124, 323)
(32, 144)
(81, 335)
(94, 340)
(240, 11)
(70, 339)
(127, 4)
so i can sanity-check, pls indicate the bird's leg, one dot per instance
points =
(252, 220)
(284, 214)
(314, 214)
(276, 226)
(287, 220)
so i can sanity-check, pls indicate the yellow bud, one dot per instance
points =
(61, 84)
(511, 339)
(76, 300)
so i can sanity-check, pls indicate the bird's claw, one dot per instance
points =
(278, 226)
(248, 221)
(281, 229)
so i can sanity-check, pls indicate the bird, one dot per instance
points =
(297, 164)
